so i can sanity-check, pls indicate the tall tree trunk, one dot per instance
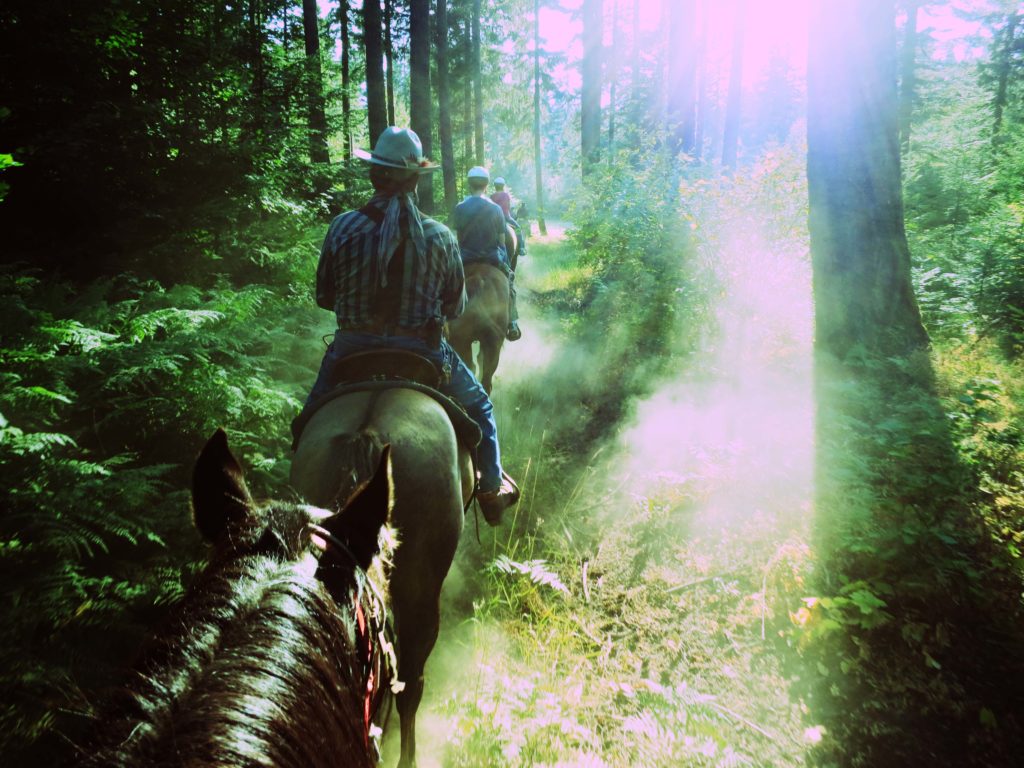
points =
(702, 86)
(389, 56)
(1004, 64)
(537, 172)
(376, 108)
(731, 138)
(478, 85)
(634, 66)
(419, 90)
(346, 77)
(256, 37)
(590, 97)
(613, 77)
(682, 73)
(444, 108)
(861, 261)
(467, 91)
(314, 84)
(907, 76)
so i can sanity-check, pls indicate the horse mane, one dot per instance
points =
(257, 651)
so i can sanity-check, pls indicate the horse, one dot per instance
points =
(271, 659)
(486, 316)
(433, 482)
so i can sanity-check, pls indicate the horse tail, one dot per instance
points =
(357, 457)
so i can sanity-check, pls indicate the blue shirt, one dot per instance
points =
(433, 284)
(481, 227)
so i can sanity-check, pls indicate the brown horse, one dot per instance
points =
(486, 316)
(433, 480)
(267, 661)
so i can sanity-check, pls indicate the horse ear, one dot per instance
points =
(219, 495)
(366, 511)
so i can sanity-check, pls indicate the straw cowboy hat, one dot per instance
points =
(398, 148)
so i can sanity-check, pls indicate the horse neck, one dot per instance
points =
(258, 661)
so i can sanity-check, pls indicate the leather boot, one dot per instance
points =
(494, 503)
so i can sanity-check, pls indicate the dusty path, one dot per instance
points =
(636, 617)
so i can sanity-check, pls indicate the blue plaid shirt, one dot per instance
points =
(433, 284)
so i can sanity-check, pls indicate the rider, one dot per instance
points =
(353, 269)
(480, 224)
(503, 199)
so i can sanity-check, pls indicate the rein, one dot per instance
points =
(374, 647)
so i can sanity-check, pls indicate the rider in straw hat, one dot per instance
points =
(353, 268)
(481, 227)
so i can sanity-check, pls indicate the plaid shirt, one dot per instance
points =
(433, 284)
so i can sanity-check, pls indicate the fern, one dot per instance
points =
(536, 570)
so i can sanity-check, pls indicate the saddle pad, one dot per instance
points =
(466, 430)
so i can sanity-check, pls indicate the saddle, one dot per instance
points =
(379, 370)
(387, 364)
(492, 261)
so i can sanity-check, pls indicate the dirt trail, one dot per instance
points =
(648, 633)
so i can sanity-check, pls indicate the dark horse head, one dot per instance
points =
(267, 661)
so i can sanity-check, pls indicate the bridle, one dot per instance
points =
(375, 649)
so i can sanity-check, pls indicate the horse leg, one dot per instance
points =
(420, 622)
(490, 352)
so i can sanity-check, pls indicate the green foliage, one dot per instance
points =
(629, 239)
(108, 391)
(915, 624)
(964, 217)
(6, 161)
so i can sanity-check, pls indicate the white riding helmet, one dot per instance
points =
(478, 172)
(499, 181)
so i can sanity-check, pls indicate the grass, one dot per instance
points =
(624, 616)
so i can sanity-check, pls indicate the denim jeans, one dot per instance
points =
(463, 389)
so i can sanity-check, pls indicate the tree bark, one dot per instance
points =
(702, 88)
(314, 84)
(613, 77)
(444, 108)
(731, 137)
(1004, 64)
(419, 91)
(256, 37)
(467, 94)
(861, 262)
(590, 97)
(478, 85)
(346, 77)
(634, 66)
(538, 174)
(907, 84)
(389, 57)
(682, 73)
(376, 107)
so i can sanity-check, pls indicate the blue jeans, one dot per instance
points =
(463, 389)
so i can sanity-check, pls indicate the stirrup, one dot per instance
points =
(513, 333)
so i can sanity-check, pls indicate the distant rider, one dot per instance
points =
(504, 199)
(480, 224)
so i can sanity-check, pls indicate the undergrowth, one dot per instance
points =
(913, 637)
(109, 390)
